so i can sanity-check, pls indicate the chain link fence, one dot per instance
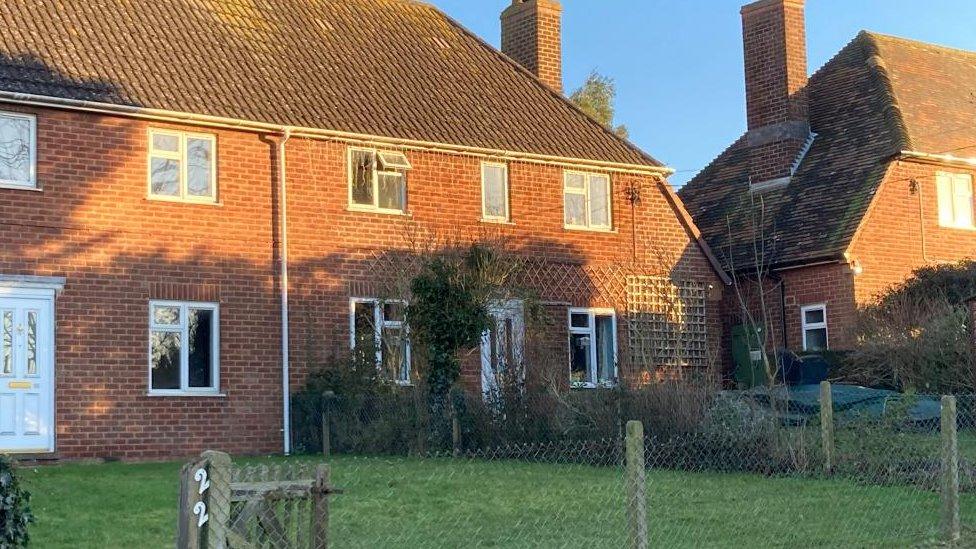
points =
(706, 469)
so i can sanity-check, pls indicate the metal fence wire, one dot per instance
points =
(662, 466)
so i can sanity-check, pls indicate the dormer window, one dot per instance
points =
(378, 180)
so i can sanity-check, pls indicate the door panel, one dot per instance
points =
(502, 346)
(26, 374)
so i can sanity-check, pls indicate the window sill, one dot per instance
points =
(181, 201)
(364, 209)
(497, 222)
(185, 394)
(589, 229)
(969, 228)
(591, 386)
(15, 187)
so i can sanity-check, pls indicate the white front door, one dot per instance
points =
(502, 346)
(26, 373)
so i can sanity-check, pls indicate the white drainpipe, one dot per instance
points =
(283, 227)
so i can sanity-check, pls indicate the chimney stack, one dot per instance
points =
(532, 36)
(774, 40)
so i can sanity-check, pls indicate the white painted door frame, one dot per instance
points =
(24, 295)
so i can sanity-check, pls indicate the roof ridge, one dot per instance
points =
(893, 114)
(931, 45)
(554, 93)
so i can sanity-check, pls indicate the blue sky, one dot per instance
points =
(678, 63)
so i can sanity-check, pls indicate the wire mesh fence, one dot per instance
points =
(719, 469)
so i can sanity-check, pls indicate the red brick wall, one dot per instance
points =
(905, 215)
(93, 225)
(532, 36)
(829, 284)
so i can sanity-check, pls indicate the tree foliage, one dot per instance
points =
(596, 97)
(449, 307)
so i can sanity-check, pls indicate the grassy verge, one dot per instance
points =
(397, 502)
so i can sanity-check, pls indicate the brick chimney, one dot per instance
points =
(774, 40)
(532, 36)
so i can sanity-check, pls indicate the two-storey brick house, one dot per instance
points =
(846, 181)
(198, 196)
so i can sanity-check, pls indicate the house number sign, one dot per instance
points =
(200, 508)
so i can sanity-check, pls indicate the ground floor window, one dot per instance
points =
(184, 344)
(378, 329)
(592, 347)
(814, 319)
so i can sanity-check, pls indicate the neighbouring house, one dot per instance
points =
(198, 197)
(845, 182)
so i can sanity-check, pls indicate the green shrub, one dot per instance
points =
(15, 512)
(908, 342)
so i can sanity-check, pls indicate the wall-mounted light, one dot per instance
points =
(913, 187)
(856, 267)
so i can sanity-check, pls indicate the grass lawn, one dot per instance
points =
(399, 502)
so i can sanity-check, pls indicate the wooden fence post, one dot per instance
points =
(320, 507)
(455, 429)
(827, 425)
(636, 485)
(950, 471)
(218, 498)
(327, 399)
(204, 502)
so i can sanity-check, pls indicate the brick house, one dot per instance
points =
(849, 179)
(198, 198)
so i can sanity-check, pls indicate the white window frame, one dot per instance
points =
(31, 183)
(804, 325)
(379, 323)
(184, 195)
(183, 329)
(592, 313)
(377, 172)
(945, 203)
(484, 194)
(585, 193)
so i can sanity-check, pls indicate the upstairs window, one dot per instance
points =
(494, 192)
(586, 199)
(814, 321)
(378, 330)
(18, 150)
(184, 345)
(955, 194)
(182, 166)
(592, 348)
(378, 180)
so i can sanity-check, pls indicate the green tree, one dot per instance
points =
(596, 97)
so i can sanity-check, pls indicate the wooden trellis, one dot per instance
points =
(666, 323)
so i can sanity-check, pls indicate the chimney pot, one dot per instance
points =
(531, 35)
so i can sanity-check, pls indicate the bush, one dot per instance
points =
(15, 512)
(909, 342)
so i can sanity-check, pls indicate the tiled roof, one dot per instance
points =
(389, 68)
(880, 95)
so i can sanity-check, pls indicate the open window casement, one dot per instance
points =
(393, 161)
(378, 180)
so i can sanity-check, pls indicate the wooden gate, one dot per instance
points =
(275, 506)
